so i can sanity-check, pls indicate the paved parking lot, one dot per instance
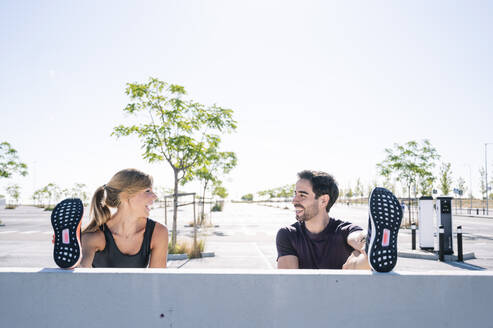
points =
(243, 237)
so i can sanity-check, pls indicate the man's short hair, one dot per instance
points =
(322, 184)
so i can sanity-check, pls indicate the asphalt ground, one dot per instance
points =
(242, 236)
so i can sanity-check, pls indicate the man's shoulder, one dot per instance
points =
(290, 230)
(340, 225)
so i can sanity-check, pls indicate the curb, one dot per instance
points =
(178, 257)
(433, 256)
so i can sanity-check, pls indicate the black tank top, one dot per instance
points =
(111, 257)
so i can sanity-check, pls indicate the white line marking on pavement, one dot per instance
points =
(269, 265)
(9, 231)
(30, 232)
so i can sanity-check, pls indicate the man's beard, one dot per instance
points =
(307, 214)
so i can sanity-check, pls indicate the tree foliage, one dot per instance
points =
(359, 188)
(14, 191)
(411, 164)
(220, 191)
(445, 178)
(9, 162)
(247, 197)
(214, 164)
(173, 129)
(285, 191)
(482, 182)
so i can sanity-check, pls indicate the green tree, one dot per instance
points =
(271, 193)
(177, 131)
(358, 190)
(349, 193)
(14, 192)
(214, 165)
(78, 190)
(387, 183)
(219, 190)
(38, 197)
(247, 197)
(52, 192)
(482, 182)
(286, 191)
(9, 162)
(425, 185)
(445, 178)
(461, 186)
(408, 163)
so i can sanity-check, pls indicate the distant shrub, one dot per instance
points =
(218, 207)
(192, 251)
(49, 208)
(247, 197)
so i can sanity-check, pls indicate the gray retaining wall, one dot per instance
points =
(226, 298)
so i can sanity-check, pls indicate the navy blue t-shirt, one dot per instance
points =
(325, 250)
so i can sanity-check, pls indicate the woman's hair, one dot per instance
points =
(124, 183)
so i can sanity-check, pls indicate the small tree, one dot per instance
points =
(174, 130)
(425, 185)
(48, 194)
(247, 197)
(37, 197)
(359, 188)
(219, 190)
(79, 191)
(349, 193)
(214, 165)
(9, 162)
(14, 192)
(409, 162)
(461, 186)
(482, 182)
(286, 191)
(445, 178)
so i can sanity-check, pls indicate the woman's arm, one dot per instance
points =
(91, 243)
(159, 247)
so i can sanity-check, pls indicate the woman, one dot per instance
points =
(125, 239)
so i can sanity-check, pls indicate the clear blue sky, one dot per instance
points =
(314, 84)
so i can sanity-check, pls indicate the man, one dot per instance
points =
(318, 241)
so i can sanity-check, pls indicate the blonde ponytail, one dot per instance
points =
(128, 181)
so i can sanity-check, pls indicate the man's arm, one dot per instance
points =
(286, 254)
(357, 240)
(358, 260)
(288, 262)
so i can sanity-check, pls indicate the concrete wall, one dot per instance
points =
(185, 298)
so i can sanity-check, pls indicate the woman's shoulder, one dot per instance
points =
(94, 239)
(160, 234)
(159, 228)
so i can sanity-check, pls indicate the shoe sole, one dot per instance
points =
(66, 220)
(385, 219)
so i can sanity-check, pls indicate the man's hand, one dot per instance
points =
(357, 240)
(358, 260)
